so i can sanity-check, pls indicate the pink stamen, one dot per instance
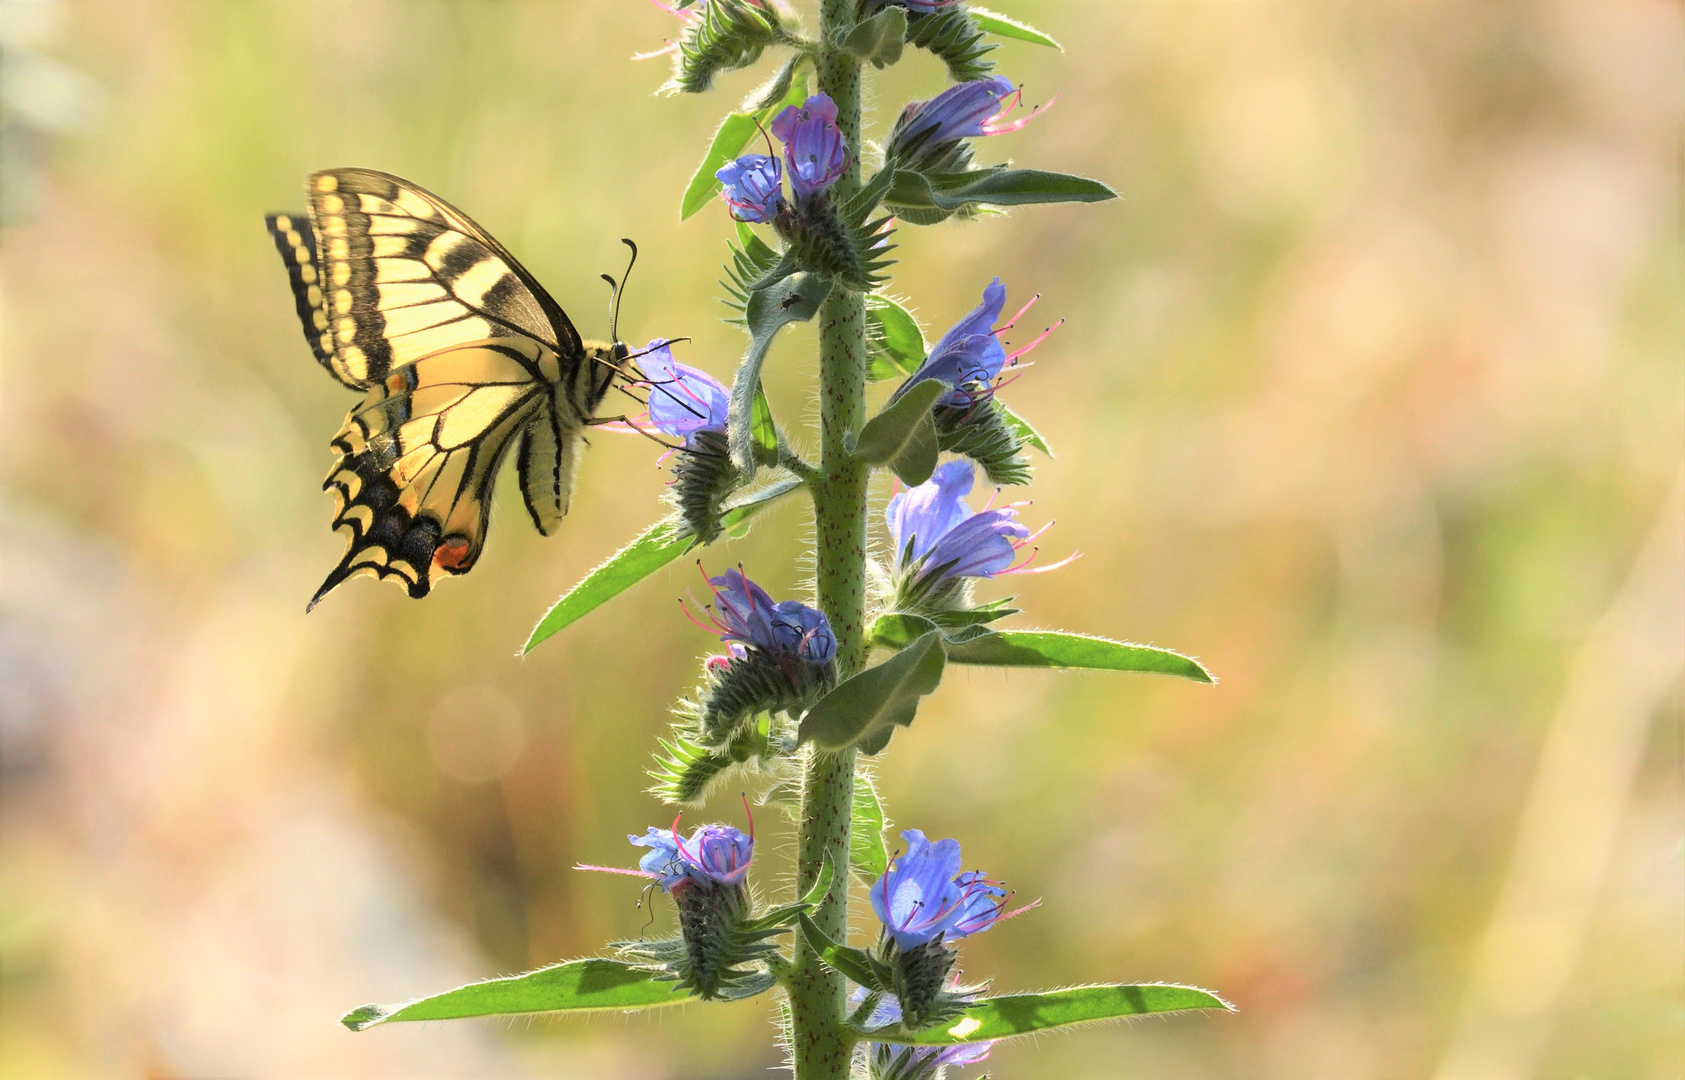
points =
(993, 127)
(664, 51)
(715, 629)
(1014, 320)
(1037, 341)
(1002, 382)
(1025, 567)
(616, 870)
(748, 814)
(1031, 906)
(1033, 537)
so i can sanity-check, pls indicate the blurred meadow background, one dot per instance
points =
(1370, 396)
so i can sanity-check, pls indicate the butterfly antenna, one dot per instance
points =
(614, 298)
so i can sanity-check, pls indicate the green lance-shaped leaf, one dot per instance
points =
(996, 187)
(659, 545)
(1027, 1014)
(865, 707)
(893, 338)
(594, 985)
(995, 23)
(879, 39)
(1055, 649)
(868, 855)
(794, 299)
(857, 964)
(1021, 427)
(789, 913)
(887, 434)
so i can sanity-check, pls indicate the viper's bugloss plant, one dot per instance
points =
(800, 690)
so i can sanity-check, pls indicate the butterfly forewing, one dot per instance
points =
(405, 274)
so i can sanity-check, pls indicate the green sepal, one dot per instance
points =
(894, 342)
(981, 432)
(657, 546)
(868, 855)
(999, 25)
(877, 40)
(856, 964)
(794, 299)
(728, 34)
(1028, 435)
(839, 238)
(752, 259)
(887, 434)
(958, 41)
(689, 766)
(866, 707)
(1013, 1015)
(591, 985)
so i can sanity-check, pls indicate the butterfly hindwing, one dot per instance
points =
(405, 274)
(419, 456)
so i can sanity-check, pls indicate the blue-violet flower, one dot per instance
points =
(813, 146)
(968, 110)
(924, 895)
(780, 655)
(683, 400)
(938, 540)
(753, 187)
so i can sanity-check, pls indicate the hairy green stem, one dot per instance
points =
(822, 1043)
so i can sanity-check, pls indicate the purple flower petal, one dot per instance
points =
(928, 512)
(753, 187)
(813, 146)
(682, 399)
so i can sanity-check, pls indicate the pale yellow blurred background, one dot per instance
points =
(1370, 396)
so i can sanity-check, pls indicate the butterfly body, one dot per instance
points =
(461, 356)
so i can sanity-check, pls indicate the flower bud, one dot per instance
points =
(705, 876)
(780, 656)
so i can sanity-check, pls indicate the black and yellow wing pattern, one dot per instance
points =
(458, 351)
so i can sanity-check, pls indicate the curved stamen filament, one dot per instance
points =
(1039, 339)
(1010, 323)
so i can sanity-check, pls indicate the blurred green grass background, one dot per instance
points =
(1370, 396)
